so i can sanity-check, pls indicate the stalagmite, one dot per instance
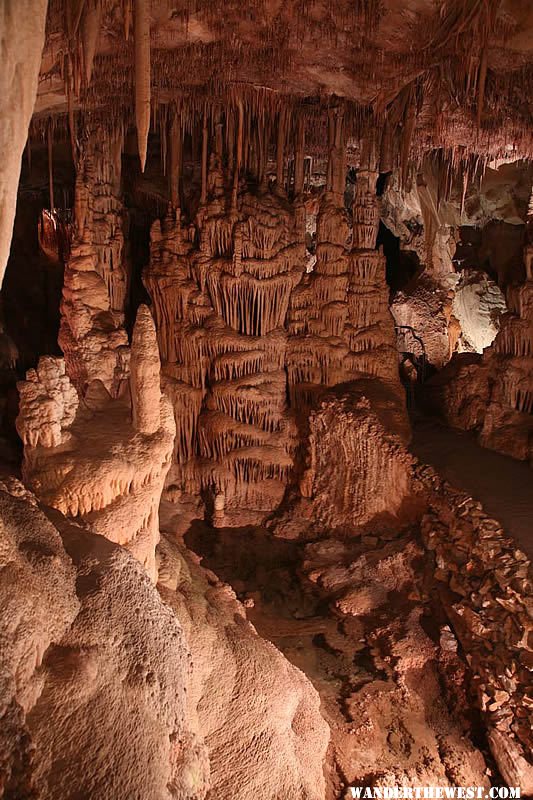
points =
(92, 334)
(144, 373)
(142, 75)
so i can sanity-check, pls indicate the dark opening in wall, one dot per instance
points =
(497, 249)
(402, 265)
(138, 255)
(31, 291)
(381, 183)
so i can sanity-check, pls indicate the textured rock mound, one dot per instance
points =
(259, 715)
(426, 327)
(94, 669)
(358, 464)
(109, 692)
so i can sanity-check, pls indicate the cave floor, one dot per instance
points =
(356, 617)
(503, 485)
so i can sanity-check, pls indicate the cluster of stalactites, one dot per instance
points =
(220, 302)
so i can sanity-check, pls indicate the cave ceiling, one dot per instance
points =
(455, 75)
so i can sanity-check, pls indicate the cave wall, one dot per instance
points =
(21, 50)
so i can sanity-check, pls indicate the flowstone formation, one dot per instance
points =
(339, 320)
(369, 477)
(101, 460)
(478, 305)
(248, 340)
(221, 312)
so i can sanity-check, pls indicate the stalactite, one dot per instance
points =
(50, 136)
(175, 160)
(280, 149)
(299, 155)
(70, 107)
(238, 154)
(142, 76)
(407, 136)
(386, 162)
(481, 85)
(205, 137)
(74, 11)
(90, 31)
(127, 12)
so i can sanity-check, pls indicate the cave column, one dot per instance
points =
(22, 23)
(92, 334)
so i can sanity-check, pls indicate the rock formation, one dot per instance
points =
(339, 320)
(426, 326)
(487, 604)
(221, 312)
(225, 574)
(494, 394)
(98, 459)
(258, 713)
(82, 621)
(92, 334)
(22, 46)
(236, 310)
(369, 475)
(478, 304)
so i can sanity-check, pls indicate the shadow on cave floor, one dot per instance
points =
(503, 485)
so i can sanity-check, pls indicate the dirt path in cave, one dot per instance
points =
(357, 619)
(503, 485)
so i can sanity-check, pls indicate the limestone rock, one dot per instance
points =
(110, 470)
(94, 669)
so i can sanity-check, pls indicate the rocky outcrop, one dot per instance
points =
(94, 668)
(477, 305)
(426, 327)
(358, 466)
(109, 690)
(485, 586)
(496, 396)
(101, 460)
